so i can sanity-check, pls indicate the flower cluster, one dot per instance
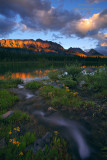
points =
(67, 89)
(14, 142)
(21, 154)
(17, 129)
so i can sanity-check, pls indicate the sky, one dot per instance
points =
(71, 23)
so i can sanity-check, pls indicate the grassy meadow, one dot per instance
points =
(82, 96)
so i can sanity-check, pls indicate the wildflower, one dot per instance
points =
(57, 81)
(18, 129)
(21, 154)
(18, 143)
(75, 93)
(67, 89)
(56, 132)
(15, 129)
(14, 142)
(10, 132)
(10, 140)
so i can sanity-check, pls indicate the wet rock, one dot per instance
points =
(51, 109)
(46, 138)
(20, 86)
(8, 114)
(29, 147)
(2, 143)
(40, 143)
(81, 84)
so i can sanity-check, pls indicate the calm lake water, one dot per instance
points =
(33, 70)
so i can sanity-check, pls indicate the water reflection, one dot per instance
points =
(43, 73)
(37, 73)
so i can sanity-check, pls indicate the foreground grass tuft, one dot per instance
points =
(61, 97)
(7, 99)
(34, 85)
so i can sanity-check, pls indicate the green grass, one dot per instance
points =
(97, 82)
(73, 70)
(7, 100)
(34, 85)
(68, 81)
(60, 97)
(19, 117)
(10, 83)
(54, 75)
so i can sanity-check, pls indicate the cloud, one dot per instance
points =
(56, 36)
(95, 1)
(103, 44)
(24, 8)
(37, 15)
(7, 26)
(90, 27)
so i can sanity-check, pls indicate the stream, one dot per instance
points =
(74, 132)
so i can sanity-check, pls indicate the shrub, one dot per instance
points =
(68, 81)
(10, 82)
(96, 82)
(73, 70)
(54, 75)
(33, 85)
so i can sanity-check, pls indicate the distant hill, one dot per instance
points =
(77, 51)
(93, 52)
(74, 50)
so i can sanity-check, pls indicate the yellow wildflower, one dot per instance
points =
(18, 143)
(21, 154)
(15, 129)
(57, 81)
(18, 129)
(75, 93)
(56, 132)
(10, 140)
(14, 142)
(10, 132)
(67, 89)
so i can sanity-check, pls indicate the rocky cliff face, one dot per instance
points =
(38, 45)
(41, 46)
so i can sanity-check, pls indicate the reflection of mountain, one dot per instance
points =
(40, 46)
(37, 73)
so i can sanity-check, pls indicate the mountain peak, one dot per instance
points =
(93, 52)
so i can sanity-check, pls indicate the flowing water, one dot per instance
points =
(72, 130)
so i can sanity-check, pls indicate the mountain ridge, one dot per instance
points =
(42, 46)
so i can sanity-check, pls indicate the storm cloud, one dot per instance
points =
(7, 26)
